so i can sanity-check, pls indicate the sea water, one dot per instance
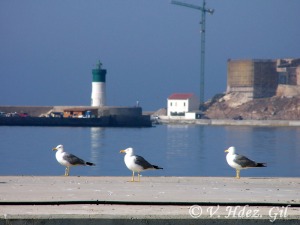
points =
(182, 150)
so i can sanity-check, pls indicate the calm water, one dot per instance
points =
(180, 149)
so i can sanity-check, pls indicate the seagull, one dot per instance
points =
(136, 163)
(239, 162)
(68, 160)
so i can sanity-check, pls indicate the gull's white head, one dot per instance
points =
(128, 151)
(230, 150)
(58, 148)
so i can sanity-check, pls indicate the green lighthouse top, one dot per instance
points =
(99, 73)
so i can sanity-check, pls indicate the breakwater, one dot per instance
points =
(105, 121)
(228, 122)
(73, 116)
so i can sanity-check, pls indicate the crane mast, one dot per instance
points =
(203, 10)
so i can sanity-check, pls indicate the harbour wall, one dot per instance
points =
(228, 122)
(107, 117)
(34, 111)
(105, 121)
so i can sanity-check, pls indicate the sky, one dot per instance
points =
(150, 48)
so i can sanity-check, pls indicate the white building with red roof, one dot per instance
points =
(181, 103)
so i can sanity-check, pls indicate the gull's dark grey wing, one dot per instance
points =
(243, 161)
(72, 159)
(139, 160)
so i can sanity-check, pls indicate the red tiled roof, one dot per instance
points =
(180, 96)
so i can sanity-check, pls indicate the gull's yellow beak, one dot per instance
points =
(226, 150)
(54, 149)
(122, 151)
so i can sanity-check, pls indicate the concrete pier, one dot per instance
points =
(231, 122)
(154, 200)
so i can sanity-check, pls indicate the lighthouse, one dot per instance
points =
(98, 86)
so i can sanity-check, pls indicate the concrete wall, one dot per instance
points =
(106, 110)
(258, 78)
(288, 70)
(31, 110)
(239, 74)
(190, 115)
(105, 121)
(265, 78)
(288, 90)
(228, 122)
(298, 75)
(120, 111)
(36, 111)
(109, 116)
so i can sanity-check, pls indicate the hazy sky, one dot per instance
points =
(150, 48)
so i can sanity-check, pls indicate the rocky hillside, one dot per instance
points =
(237, 106)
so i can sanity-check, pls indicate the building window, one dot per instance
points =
(184, 104)
(170, 103)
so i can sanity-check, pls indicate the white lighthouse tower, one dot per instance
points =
(98, 86)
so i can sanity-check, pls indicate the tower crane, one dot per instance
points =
(203, 10)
